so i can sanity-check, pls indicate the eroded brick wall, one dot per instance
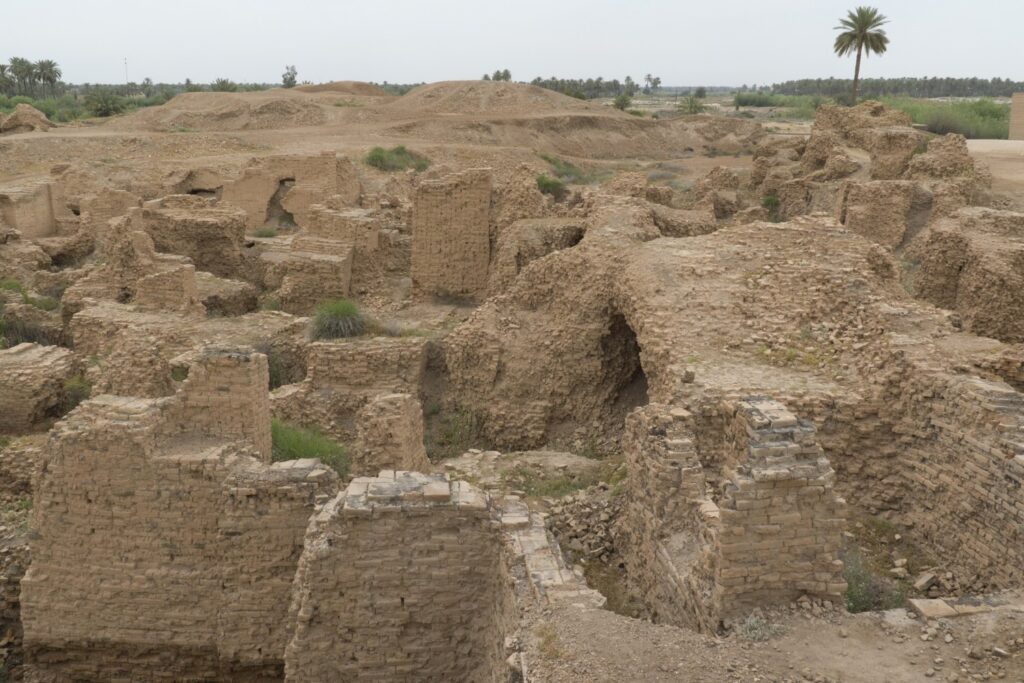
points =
(451, 235)
(364, 611)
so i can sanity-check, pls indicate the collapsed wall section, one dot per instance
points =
(362, 611)
(451, 244)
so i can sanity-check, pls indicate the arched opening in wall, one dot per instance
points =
(277, 216)
(621, 368)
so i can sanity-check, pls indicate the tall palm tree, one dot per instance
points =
(6, 81)
(24, 72)
(862, 32)
(49, 73)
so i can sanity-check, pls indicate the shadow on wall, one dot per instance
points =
(621, 368)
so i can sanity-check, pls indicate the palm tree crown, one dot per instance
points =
(862, 32)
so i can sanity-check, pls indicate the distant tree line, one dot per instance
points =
(911, 87)
(591, 88)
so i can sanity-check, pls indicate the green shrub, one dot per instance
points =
(76, 390)
(13, 286)
(338, 318)
(294, 443)
(396, 159)
(179, 373)
(455, 433)
(866, 591)
(105, 102)
(772, 203)
(46, 303)
(224, 85)
(757, 629)
(637, 112)
(566, 171)
(980, 119)
(14, 332)
(270, 303)
(622, 102)
(266, 232)
(692, 105)
(551, 186)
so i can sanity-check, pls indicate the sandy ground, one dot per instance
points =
(572, 644)
(1006, 160)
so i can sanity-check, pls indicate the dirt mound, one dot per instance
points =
(487, 97)
(344, 88)
(221, 111)
(24, 119)
(590, 135)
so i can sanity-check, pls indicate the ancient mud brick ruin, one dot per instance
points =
(451, 245)
(389, 433)
(32, 383)
(402, 578)
(170, 503)
(344, 375)
(771, 535)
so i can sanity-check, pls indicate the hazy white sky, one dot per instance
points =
(711, 42)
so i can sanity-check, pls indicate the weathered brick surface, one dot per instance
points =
(389, 435)
(451, 244)
(402, 579)
(163, 523)
(31, 383)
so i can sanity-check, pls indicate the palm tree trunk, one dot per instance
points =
(856, 76)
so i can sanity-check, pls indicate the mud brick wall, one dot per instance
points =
(98, 209)
(389, 436)
(31, 383)
(191, 226)
(177, 553)
(668, 546)
(781, 522)
(1017, 117)
(451, 235)
(315, 179)
(884, 211)
(309, 278)
(33, 209)
(225, 397)
(343, 375)
(358, 227)
(173, 289)
(964, 477)
(402, 579)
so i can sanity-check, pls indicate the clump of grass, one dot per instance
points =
(637, 112)
(14, 332)
(338, 318)
(758, 629)
(294, 443)
(865, 590)
(773, 204)
(547, 641)
(76, 390)
(396, 159)
(551, 186)
(270, 304)
(266, 232)
(45, 303)
(348, 103)
(179, 373)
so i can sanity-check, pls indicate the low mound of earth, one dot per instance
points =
(592, 135)
(487, 97)
(229, 111)
(344, 88)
